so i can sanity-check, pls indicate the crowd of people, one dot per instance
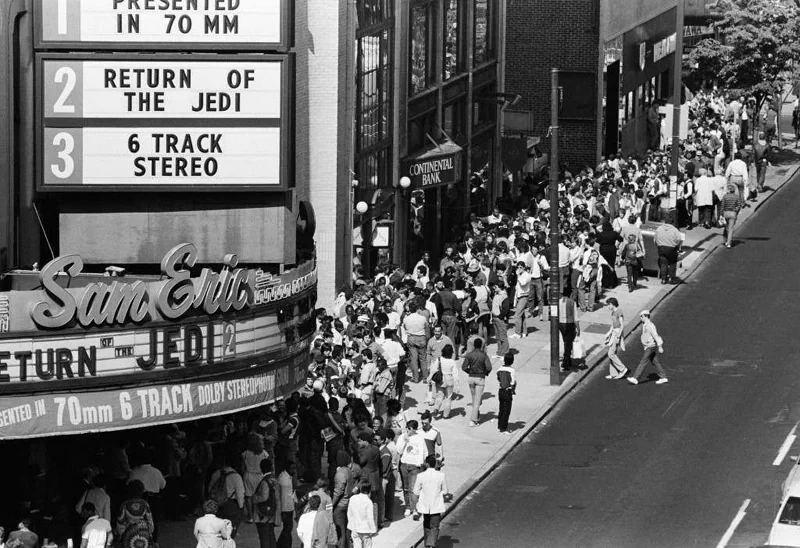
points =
(336, 461)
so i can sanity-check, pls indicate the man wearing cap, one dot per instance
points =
(653, 346)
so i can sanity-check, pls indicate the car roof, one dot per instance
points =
(794, 490)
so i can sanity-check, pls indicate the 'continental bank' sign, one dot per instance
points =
(437, 167)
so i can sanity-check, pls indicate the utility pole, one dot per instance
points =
(677, 82)
(555, 275)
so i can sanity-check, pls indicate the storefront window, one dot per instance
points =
(452, 46)
(483, 32)
(421, 44)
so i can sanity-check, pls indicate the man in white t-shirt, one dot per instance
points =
(96, 531)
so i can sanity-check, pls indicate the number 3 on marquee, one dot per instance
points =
(66, 142)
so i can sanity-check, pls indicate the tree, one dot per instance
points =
(758, 52)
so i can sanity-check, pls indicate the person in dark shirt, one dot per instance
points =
(477, 365)
(448, 307)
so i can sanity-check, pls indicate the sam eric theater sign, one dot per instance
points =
(83, 334)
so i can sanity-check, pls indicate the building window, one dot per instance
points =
(484, 107)
(452, 62)
(373, 89)
(454, 122)
(419, 129)
(373, 169)
(373, 120)
(421, 62)
(484, 50)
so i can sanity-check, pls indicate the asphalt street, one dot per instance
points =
(669, 465)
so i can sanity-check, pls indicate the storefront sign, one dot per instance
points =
(174, 89)
(147, 157)
(178, 294)
(168, 23)
(28, 416)
(432, 171)
(664, 47)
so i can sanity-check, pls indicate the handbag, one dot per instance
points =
(328, 433)
(437, 377)
(578, 349)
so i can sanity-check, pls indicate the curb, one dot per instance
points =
(414, 539)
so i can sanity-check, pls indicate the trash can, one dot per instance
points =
(650, 261)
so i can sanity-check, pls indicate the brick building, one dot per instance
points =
(620, 52)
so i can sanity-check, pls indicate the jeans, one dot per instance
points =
(650, 355)
(501, 334)
(444, 396)
(266, 535)
(761, 173)
(476, 388)
(616, 366)
(568, 332)
(536, 297)
(340, 521)
(409, 473)
(587, 295)
(730, 219)
(430, 525)
(504, 412)
(631, 270)
(667, 262)
(388, 498)
(416, 355)
(285, 538)
(362, 540)
(519, 315)
(564, 277)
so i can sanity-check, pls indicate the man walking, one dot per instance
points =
(477, 365)
(614, 340)
(737, 174)
(762, 153)
(653, 346)
(413, 450)
(568, 327)
(731, 205)
(96, 531)
(431, 489)
(361, 518)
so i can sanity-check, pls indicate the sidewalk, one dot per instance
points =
(472, 453)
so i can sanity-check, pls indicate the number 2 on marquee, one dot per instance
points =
(67, 142)
(68, 77)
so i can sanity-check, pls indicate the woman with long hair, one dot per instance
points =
(135, 524)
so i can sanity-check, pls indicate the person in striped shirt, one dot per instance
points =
(731, 205)
(653, 346)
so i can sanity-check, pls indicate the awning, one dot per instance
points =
(435, 167)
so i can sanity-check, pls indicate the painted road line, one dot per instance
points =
(726, 538)
(675, 402)
(784, 450)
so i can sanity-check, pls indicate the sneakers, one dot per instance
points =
(473, 424)
(416, 516)
(662, 380)
(514, 336)
(633, 380)
(610, 377)
(407, 512)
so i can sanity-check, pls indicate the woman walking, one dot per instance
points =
(731, 205)
(614, 340)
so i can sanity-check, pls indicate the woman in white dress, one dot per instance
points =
(211, 531)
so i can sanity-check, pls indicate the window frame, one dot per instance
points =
(431, 33)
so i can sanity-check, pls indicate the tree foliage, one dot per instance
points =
(758, 50)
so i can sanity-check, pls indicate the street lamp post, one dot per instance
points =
(555, 275)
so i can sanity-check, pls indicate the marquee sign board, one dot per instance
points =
(190, 25)
(154, 122)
